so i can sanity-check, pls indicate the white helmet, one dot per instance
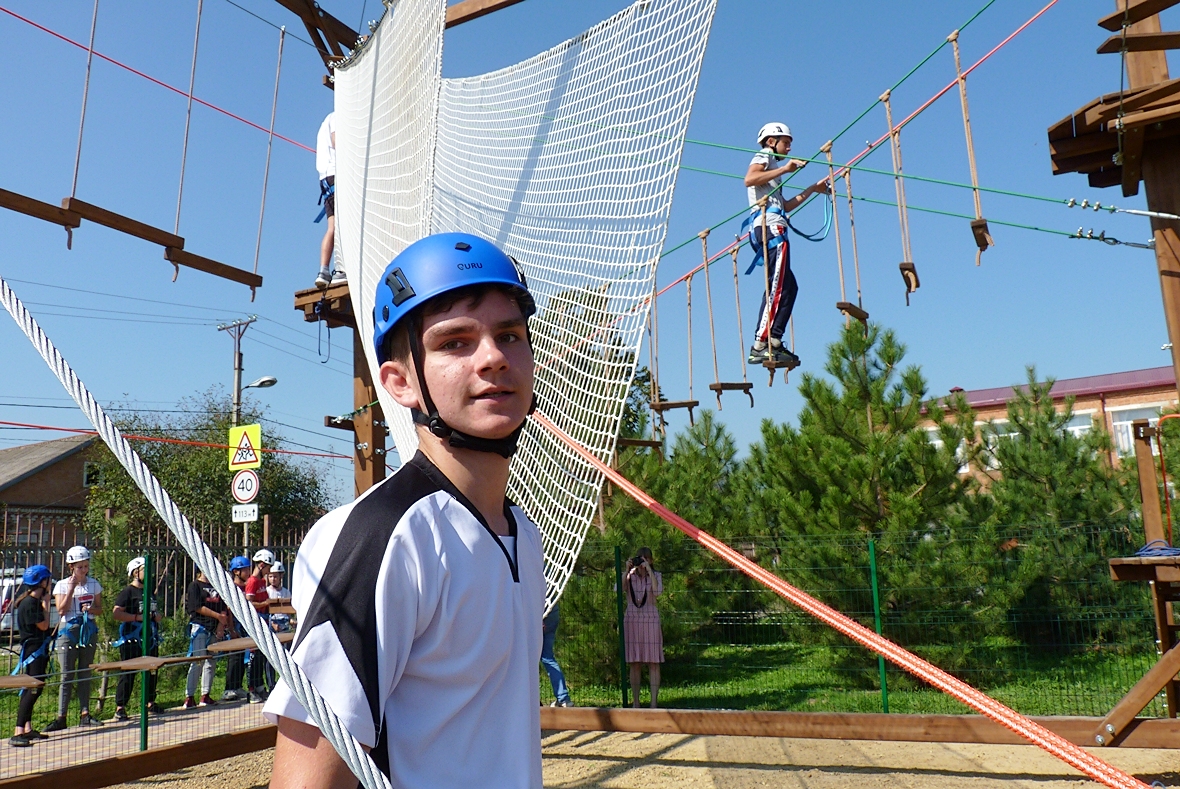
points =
(775, 129)
(77, 554)
(134, 565)
(264, 556)
(278, 568)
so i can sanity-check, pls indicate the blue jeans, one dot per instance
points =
(556, 678)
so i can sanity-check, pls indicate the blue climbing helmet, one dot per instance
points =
(436, 265)
(239, 563)
(36, 574)
(432, 267)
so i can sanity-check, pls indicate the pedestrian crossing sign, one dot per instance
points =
(245, 447)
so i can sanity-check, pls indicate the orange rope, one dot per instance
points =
(1038, 735)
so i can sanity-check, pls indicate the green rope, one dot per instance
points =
(963, 216)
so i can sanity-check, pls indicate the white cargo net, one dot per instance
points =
(568, 162)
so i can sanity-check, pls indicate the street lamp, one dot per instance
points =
(265, 382)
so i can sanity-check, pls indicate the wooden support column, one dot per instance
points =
(1153, 520)
(368, 451)
(1161, 178)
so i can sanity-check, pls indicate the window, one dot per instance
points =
(1124, 442)
(90, 475)
(936, 441)
(1080, 423)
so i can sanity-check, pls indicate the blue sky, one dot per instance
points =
(1070, 307)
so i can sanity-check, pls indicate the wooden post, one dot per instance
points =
(265, 531)
(368, 451)
(1153, 520)
(1161, 178)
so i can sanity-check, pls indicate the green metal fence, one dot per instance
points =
(1028, 614)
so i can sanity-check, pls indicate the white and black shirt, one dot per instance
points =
(422, 631)
(775, 215)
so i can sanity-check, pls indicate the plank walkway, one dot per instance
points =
(78, 745)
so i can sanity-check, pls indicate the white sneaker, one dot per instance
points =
(323, 278)
(339, 277)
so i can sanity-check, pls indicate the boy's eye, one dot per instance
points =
(451, 345)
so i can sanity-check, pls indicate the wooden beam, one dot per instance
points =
(1140, 42)
(133, 766)
(1140, 733)
(1109, 176)
(35, 208)
(1168, 112)
(183, 258)
(1083, 144)
(1162, 569)
(343, 424)
(368, 450)
(238, 644)
(1138, 697)
(131, 227)
(19, 682)
(329, 35)
(1087, 163)
(646, 443)
(667, 405)
(1143, 99)
(1149, 494)
(1139, 11)
(1132, 160)
(467, 10)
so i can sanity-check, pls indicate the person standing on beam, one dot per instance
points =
(764, 179)
(325, 163)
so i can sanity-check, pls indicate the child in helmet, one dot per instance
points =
(257, 595)
(134, 626)
(235, 663)
(274, 583)
(764, 180)
(32, 623)
(79, 602)
(418, 603)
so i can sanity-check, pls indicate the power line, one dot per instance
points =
(272, 24)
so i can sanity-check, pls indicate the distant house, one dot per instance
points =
(1113, 400)
(43, 492)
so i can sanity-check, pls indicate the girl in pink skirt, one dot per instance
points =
(641, 622)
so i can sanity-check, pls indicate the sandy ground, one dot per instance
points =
(587, 760)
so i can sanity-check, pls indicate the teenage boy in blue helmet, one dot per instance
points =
(419, 603)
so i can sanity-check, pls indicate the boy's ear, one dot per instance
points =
(396, 378)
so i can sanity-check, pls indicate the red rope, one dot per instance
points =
(152, 79)
(161, 440)
(1038, 735)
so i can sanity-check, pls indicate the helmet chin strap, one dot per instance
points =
(505, 447)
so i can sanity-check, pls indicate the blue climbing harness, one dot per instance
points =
(327, 190)
(81, 630)
(195, 630)
(27, 659)
(772, 243)
(132, 632)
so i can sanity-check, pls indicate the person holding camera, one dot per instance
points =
(641, 623)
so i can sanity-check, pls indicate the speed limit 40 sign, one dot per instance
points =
(245, 486)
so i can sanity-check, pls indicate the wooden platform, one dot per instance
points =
(1140, 733)
(1164, 569)
(19, 682)
(333, 302)
(98, 756)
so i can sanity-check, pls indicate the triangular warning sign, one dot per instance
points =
(245, 453)
(245, 447)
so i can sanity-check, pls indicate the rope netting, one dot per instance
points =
(568, 161)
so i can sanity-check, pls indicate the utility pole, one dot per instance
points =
(236, 330)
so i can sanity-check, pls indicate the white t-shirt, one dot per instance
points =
(423, 634)
(277, 594)
(325, 151)
(774, 204)
(84, 594)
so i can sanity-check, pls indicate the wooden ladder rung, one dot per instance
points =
(1136, 13)
(123, 224)
(38, 210)
(1140, 42)
(182, 258)
(667, 405)
(852, 311)
(640, 442)
(728, 387)
(770, 364)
